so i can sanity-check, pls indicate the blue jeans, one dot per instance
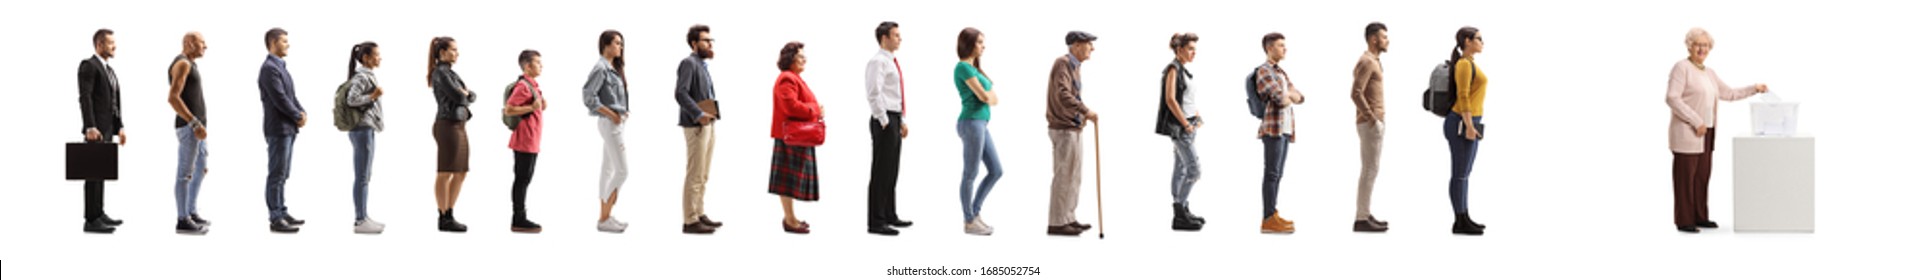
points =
(1275, 148)
(188, 174)
(977, 148)
(364, 148)
(280, 156)
(1463, 153)
(1185, 171)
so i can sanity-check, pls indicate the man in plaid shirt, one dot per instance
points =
(1278, 128)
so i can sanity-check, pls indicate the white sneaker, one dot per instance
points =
(976, 227)
(369, 226)
(611, 226)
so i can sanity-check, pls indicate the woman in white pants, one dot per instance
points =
(607, 96)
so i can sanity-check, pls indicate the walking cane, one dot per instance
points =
(1099, 136)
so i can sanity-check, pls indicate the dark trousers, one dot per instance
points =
(1275, 149)
(1691, 173)
(524, 172)
(95, 199)
(885, 161)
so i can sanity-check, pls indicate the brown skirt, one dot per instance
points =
(451, 146)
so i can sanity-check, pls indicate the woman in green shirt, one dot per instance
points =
(972, 125)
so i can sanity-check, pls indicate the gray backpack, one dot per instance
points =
(1443, 92)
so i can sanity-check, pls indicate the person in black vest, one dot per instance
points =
(100, 122)
(1177, 117)
(190, 126)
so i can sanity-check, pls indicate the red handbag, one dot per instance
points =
(803, 133)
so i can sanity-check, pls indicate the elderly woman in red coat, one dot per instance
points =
(792, 168)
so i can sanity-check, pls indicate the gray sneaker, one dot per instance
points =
(369, 226)
(611, 226)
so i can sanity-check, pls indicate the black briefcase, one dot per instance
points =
(93, 161)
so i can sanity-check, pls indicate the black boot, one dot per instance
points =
(448, 223)
(1462, 225)
(1192, 216)
(520, 223)
(1180, 219)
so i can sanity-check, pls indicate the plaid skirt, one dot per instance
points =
(792, 172)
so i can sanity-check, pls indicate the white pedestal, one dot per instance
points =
(1772, 184)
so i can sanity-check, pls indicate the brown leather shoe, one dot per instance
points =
(1368, 226)
(1066, 230)
(698, 228)
(704, 220)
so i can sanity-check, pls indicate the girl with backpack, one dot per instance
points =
(359, 113)
(1463, 126)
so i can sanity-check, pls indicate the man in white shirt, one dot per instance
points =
(884, 83)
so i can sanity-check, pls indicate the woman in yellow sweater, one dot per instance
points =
(1463, 135)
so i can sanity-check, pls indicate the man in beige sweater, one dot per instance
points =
(1067, 115)
(1367, 92)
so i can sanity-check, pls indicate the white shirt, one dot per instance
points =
(1189, 102)
(1709, 86)
(885, 86)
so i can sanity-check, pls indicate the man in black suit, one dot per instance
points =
(100, 119)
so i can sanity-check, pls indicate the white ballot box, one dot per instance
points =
(1772, 116)
(1772, 183)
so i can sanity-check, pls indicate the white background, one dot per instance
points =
(1574, 180)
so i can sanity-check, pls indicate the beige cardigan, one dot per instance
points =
(1693, 94)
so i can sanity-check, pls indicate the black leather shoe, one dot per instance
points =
(704, 220)
(900, 223)
(109, 220)
(196, 217)
(282, 226)
(883, 230)
(292, 221)
(188, 226)
(97, 226)
(1688, 229)
(1374, 219)
(1081, 226)
(1708, 224)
